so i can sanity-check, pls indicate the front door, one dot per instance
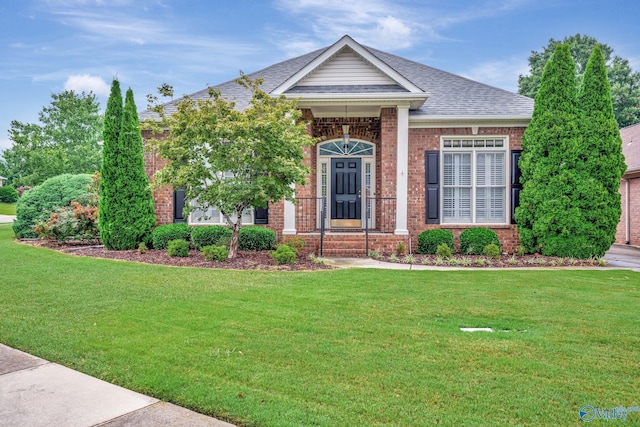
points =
(346, 197)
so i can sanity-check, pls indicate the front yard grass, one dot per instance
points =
(7, 208)
(341, 347)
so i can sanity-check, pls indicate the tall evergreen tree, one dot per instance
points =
(132, 203)
(110, 167)
(548, 220)
(601, 163)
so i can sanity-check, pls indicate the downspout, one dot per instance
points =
(627, 213)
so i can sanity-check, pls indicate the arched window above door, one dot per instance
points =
(338, 148)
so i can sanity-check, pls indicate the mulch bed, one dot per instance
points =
(246, 260)
(262, 260)
(504, 261)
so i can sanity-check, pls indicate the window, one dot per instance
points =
(214, 216)
(474, 182)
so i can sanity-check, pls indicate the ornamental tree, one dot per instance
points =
(601, 162)
(109, 172)
(232, 159)
(128, 204)
(548, 219)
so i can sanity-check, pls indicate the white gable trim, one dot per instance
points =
(359, 50)
(417, 122)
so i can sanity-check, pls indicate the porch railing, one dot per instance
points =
(310, 216)
(384, 209)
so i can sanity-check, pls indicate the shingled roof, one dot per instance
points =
(448, 95)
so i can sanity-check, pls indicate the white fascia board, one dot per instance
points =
(413, 100)
(468, 120)
(335, 48)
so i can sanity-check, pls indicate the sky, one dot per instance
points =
(48, 46)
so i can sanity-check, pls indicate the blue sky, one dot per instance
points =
(47, 46)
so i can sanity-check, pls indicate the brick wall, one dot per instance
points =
(633, 214)
(162, 196)
(421, 140)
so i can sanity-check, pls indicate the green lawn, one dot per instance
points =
(7, 208)
(348, 348)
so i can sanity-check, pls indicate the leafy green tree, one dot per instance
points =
(233, 159)
(547, 218)
(66, 140)
(601, 163)
(130, 204)
(110, 167)
(625, 83)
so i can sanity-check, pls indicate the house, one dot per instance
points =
(628, 232)
(403, 147)
(2, 178)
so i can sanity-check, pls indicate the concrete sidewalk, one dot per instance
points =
(35, 392)
(4, 219)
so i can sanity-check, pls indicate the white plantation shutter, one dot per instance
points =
(456, 201)
(490, 187)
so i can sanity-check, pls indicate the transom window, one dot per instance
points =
(354, 148)
(474, 181)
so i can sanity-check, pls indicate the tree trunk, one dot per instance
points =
(233, 247)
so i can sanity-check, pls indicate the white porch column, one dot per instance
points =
(402, 170)
(289, 216)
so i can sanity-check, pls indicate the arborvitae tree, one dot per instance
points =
(600, 163)
(110, 167)
(548, 219)
(131, 205)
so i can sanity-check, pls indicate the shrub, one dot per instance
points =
(142, 248)
(492, 250)
(178, 247)
(401, 248)
(296, 243)
(37, 204)
(162, 234)
(473, 240)
(284, 254)
(444, 251)
(76, 222)
(215, 253)
(8, 194)
(252, 238)
(520, 250)
(429, 240)
(210, 235)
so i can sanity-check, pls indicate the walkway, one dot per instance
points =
(38, 393)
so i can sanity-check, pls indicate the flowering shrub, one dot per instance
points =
(73, 222)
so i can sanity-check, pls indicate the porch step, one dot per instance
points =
(342, 252)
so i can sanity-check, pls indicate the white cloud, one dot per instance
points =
(87, 83)
(381, 23)
(502, 73)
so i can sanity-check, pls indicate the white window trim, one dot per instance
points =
(474, 150)
(220, 218)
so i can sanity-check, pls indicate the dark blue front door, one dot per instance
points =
(346, 206)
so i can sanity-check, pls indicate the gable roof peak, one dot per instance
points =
(364, 55)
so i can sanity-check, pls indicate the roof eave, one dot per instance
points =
(456, 121)
(412, 100)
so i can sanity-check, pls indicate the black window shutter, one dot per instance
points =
(178, 205)
(515, 183)
(261, 215)
(432, 186)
